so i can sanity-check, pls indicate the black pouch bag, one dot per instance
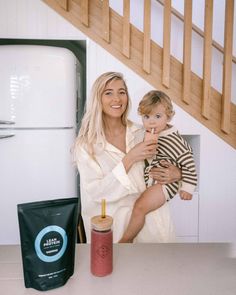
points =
(48, 236)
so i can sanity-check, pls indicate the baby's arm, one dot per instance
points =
(189, 175)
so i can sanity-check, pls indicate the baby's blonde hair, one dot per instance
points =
(153, 98)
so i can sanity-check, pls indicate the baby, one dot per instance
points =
(157, 111)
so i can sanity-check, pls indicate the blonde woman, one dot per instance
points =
(110, 154)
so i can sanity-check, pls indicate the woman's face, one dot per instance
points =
(114, 99)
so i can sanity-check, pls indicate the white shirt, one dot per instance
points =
(106, 178)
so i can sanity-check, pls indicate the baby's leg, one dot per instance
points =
(151, 199)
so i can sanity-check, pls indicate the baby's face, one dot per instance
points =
(156, 120)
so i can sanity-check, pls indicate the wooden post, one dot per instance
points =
(146, 36)
(84, 12)
(166, 44)
(126, 28)
(207, 59)
(106, 20)
(63, 4)
(187, 51)
(227, 70)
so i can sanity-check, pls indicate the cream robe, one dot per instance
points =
(107, 178)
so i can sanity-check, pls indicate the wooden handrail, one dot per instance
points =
(197, 30)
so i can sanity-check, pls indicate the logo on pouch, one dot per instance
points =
(50, 243)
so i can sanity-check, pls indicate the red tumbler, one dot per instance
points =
(101, 246)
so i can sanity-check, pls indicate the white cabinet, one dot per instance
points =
(185, 218)
(34, 166)
(185, 214)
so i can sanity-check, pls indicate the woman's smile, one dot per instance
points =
(116, 106)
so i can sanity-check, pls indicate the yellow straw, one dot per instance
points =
(103, 208)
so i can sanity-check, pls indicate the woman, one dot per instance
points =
(109, 153)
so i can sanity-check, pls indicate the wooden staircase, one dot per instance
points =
(136, 50)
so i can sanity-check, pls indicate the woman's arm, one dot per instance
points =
(100, 182)
(107, 179)
(167, 174)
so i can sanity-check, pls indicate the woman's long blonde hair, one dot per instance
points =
(92, 127)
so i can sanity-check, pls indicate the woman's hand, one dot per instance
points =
(139, 152)
(143, 150)
(166, 174)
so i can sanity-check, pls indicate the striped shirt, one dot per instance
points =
(173, 148)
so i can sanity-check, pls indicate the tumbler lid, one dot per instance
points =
(100, 223)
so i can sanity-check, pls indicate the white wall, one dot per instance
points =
(216, 215)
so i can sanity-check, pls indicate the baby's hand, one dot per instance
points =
(185, 195)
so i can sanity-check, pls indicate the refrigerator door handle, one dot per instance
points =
(6, 122)
(6, 136)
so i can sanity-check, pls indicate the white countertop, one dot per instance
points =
(139, 269)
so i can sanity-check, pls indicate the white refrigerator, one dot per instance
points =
(38, 88)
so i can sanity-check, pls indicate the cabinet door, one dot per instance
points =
(185, 218)
(35, 165)
(38, 86)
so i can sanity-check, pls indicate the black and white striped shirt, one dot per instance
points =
(173, 148)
